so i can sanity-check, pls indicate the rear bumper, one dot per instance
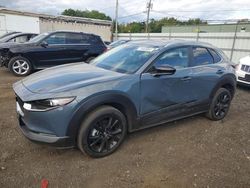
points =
(52, 140)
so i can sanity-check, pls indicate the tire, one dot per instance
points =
(23, 66)
(220, 105)
(102, 132)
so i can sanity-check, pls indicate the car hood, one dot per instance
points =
(245, 60)
(68, 77)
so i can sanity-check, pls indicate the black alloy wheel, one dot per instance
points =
(102, 131)
(220, 105)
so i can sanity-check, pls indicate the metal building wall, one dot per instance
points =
(11, 22)
(235, 44)
(104, 31)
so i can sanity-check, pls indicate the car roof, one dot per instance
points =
(169, 43)
(68, 31)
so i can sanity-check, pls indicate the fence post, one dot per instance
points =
(170, 33)
(198, 33)
(235, 36)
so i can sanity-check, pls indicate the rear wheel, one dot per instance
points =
(102, 132)
(20, 66)
(220, 105)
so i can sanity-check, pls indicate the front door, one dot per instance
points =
(166, 96)
(55, 53)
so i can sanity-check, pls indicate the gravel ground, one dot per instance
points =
(194, 152)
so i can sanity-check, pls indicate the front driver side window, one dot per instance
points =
(176, 58)
(57, 38)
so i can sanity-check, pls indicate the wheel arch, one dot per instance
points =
(227, 82)
(117, 100)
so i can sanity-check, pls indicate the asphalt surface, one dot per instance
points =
(194, 152)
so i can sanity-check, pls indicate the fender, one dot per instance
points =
(225, 80)
(116, 99)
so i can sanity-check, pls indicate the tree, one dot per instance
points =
(155, 26)
(86, 14)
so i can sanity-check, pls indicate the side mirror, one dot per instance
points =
(44, 44)
(162, 70)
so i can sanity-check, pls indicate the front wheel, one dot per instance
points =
(220, 105)
(20, 66)
(102, 132)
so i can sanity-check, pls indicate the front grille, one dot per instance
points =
(245, 68)
(246, 78)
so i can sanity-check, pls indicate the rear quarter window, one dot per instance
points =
(215, 55)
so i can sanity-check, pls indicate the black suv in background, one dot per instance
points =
(50, 49)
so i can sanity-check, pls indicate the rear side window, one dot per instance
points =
(95, 40)
(74, 38)
(215, 55)
(201, 56)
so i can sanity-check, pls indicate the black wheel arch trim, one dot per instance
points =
(116, 99)
(228, 79)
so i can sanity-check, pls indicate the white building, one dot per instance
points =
(13, 20)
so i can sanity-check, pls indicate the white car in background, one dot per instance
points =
(243, 70)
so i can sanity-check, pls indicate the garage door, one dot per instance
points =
(2, 25)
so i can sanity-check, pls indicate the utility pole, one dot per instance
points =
(116, 20)
(149, 7)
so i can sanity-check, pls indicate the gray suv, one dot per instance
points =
(137, 85)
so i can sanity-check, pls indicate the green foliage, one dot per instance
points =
(156, 25)
(86, 14)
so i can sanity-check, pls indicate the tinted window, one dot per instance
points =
(57, 38)
(94, 40)
(216, 57)
(74, 38)
(177, 58)
(202, 56)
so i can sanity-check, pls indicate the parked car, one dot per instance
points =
(7, 34)
(243, 71)
(18, 37)
(131, 87)
(117, 43)
(50, 49)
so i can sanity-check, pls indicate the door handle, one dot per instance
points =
(220, 72)
(186, 78)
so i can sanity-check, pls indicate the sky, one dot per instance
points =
(134, 10)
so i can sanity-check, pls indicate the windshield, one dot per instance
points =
(126, 58)
(39, 37)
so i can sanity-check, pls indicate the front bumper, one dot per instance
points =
(49, 127)
(243, 77)
(52, 140)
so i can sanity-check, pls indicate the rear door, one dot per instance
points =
(77, 45)
(207, 69)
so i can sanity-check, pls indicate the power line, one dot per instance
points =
(131, 15)
(228, 10)
(164, 13)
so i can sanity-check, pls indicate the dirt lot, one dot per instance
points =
(194, 152)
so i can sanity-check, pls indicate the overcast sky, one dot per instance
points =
(204, 9)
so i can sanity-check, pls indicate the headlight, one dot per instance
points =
(47, 104)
